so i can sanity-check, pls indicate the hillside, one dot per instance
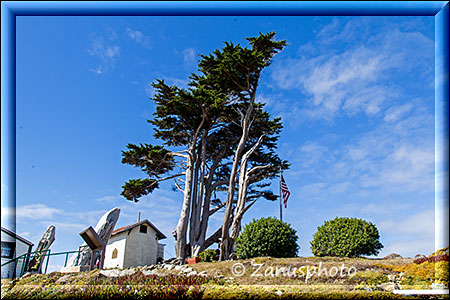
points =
(264, 277)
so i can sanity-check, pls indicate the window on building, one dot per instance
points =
(8, 249)
(143, 229)
(115, 252)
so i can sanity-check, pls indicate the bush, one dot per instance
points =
(209, 255)
(267, 237)
(346, 237)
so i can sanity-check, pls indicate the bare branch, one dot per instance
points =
(179, 154)
(178, 187)
(254, 169)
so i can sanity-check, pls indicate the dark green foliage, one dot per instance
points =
(209, 255)
(346, 237)
(133, 189)
(267, 237)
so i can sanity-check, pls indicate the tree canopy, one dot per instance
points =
(227, 139)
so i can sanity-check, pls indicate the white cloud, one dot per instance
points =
(37, 212)
(415, 234)
(106, 53)
(108, 198)
(188, 56)
(421, 223)
(66, 226)
(346, 71)
(397, 112)
(138, 36)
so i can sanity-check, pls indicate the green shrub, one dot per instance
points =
(346, 237)
(267, 237)
(209, 255)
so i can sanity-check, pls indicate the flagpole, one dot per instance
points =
(281, 207)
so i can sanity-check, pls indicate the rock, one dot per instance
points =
(203, 273)
(393, 256)
(388, 286)
(127, 272)
(219, 276)
(149, 272)
(35, 263)
(178, 268)
(438, 286)
(169, 267)
(187, 270)
(279, 293)
(118, 273)
(104, 228)
(192, 273)
(110, 273)
(420, 256)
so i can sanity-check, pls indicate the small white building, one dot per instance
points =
(134, 245)
(13, 246)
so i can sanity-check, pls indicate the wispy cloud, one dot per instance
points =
(395, 156)
(139, 37)
(37, 212)
(188, 56)
(108, 198)
(415, 234)
(337, 75)
(106, 51)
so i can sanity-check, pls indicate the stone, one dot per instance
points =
(169, 267)
(118, 273)
(279, 293)
(110, 273)
(420, 256)
(35, 263)
(149, 272)
(438, 286)
(192, 273)
(203, 273)
(388, 286)
(187, 270)
(104, 228)
(178, 268)
(393, 256)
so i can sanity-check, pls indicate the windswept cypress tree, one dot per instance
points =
(223, 132)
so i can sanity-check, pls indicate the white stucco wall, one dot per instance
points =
(21, 248)
(115, 242)
(141, 248)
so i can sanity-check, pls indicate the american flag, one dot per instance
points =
(284, 191)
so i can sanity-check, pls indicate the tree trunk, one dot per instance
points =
(242, 193)
(182, 227)
(181, 230)
(225, 249)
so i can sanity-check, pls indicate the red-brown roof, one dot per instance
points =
(159, 234)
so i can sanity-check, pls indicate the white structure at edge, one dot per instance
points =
(134, 245)
(13, 246)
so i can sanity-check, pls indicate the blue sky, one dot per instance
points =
(356, 96)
